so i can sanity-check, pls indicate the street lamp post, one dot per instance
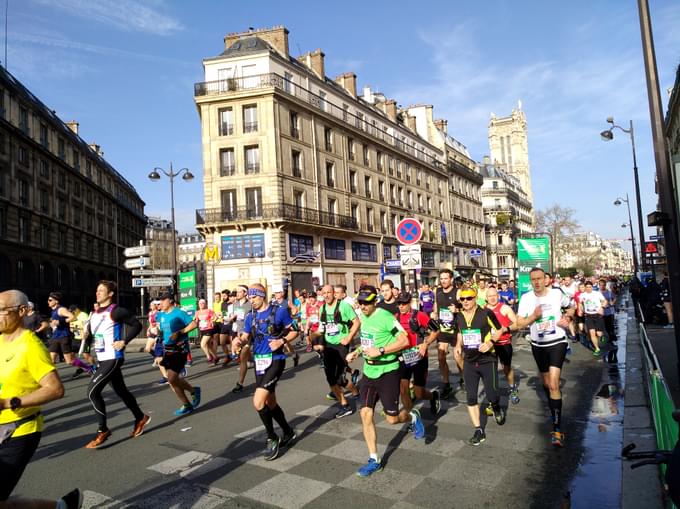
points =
(608, 135)
(630, 224)
(186, 176)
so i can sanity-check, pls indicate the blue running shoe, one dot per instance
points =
(417, 425)
(184, 372)
(196, 397)
(184, 410)
(369, 468)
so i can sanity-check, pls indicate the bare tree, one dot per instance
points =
(558, 221)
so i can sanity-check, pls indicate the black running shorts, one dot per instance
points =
(271, 375)
(418, 371)
(60, 344)
(504, 353)
(546, 356)
(385, 388)
(595, 322)
(174, 361)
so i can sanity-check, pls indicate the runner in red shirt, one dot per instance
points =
(503, 346)
(422, 332)
(205, 318)
(312, 308)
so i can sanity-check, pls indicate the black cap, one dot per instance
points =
(404, 298)
(166, 295)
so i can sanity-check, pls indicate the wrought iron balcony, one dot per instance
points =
(280, 212)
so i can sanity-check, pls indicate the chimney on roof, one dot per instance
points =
(441, 124)
(348, 81)
(410, 121)
(314, 61)
(277, 37)
(97, 149)
(391, 109)
(73, 126)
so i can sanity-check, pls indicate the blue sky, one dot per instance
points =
(125, 70)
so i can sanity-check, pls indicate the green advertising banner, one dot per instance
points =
(531, 252)
(187, 294)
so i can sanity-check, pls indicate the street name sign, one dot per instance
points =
(134, 263)
(132, 252)
(152, 282)
(152, 272)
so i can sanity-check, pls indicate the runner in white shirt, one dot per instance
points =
(592, 304)
(541, 310)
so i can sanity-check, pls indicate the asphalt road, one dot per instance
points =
(210, 458)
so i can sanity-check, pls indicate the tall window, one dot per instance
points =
(44, 140)
(226, 121)
(252, 157)
(227, 162)
(369, 219)
(61, 148)
(76, 160)
(44, 168)
(294, 124)
(330, 174)
(44, 235)
(250, 119)
(383, 221)
(24, 229)
(332, 206)
(22, 155)
(44, 201)
(381, 190)
(288, 82)
(296, 163)
(23, 120)
(300, 244)
(365, 154)
(328, 138)
(322, 100)
(354, 210)
(334, 249)
(379, 159)
(228, 198)
(352, 181)
(364, 252)
(23, 192)
(368, 187)
(350, 149)
(254, 202)
(299, 202)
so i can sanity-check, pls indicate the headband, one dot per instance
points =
(468, 292)
(256, 292)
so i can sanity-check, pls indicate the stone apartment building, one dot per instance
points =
(159, 238)
(65, 213)
(191, 256)
(305, 179)
(606, 257)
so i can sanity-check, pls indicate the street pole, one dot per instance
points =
(637, 198)
(632, 237)
(663, 168)
(174, 231)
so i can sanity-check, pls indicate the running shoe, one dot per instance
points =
(369, 468)
(102, 436)
(209, 360)
(196, 397)
(237, 388)
(448, 390)
(216, 361)
(597, 354)
(140, 425)
(184, 371)
(271, 451)
(557, 439)
(477, 438)
(190, 363)
(331, 396)
(344, 411)
(355, 376)
(308, 349)
(488, 410)
(288, 439)
(79, 371)
(499, 414)
(435, 403)
(184, 410)
(514, 395)
(418, 426)
(73, 499)
(163, 381)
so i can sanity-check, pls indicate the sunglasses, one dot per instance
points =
(365, 303)
(463, 299)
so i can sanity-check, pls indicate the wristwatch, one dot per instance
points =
(381, 350)
(14, 403)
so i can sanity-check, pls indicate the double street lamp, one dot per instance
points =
(608, 135)
(186, 176)
(625, 200)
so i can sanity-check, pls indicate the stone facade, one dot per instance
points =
(65, 213)
(191, 256)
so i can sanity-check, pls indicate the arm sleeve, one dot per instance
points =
(133, 326)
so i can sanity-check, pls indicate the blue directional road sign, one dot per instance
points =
(409, 231)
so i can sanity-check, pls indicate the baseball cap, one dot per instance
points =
(367, 294)
(404, 298)
(277, 288)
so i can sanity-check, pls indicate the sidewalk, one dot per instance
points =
(641, 488)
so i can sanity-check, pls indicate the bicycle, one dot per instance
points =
(660, 457)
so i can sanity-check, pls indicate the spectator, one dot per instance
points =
(666, 299)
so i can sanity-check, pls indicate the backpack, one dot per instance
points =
(415, 327)
(337, 317)
(273, 331)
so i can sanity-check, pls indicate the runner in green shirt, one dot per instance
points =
(382, 338)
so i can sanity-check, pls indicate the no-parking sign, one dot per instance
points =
(409, 231)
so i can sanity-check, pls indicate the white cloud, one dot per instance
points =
(128, 15)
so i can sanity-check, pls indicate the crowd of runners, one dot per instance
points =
(388, 330)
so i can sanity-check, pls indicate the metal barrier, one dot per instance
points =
(660, 400)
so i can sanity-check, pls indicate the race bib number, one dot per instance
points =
(591, 307)
(411, 357)
(472, 338)
(314, 319)
(445, 315)
(546, 325)
(203, 324)
(367, 341)
(99, 343)
(262, 362)
(332, 329)
(240, 315)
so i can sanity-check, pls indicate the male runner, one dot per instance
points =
(78, 327)
(541, 309)
(382, 338)
(592, 303)
(240, 349)
(478, 331)
(609, 310)
(481, 292)
(281, 301)
(225, 327)
(61, 330)
(444, 310)
(175, 325)
(268, 328)
(426, 299)
(503, 347)
(338, 324)
(111, 329)
(422, 332)
(389, 301)
(506, 295)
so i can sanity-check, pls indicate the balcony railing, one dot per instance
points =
(284, 212)
(273, 80)
(250, 127)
